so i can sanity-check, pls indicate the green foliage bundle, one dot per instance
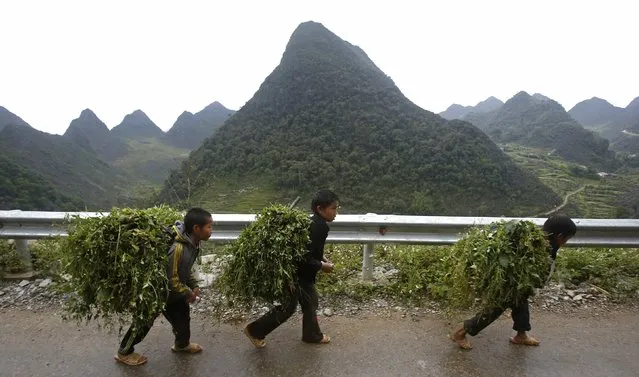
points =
(265, 257)
(497, 265)
(117, 265)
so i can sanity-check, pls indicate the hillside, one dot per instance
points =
(150, 160)
(190, 130)
(608, 120)
(89, 132)
(9, 118)
(595, 112)
(21, 188)
(590, 194)
(627, 142)
(137, 126)
(539, 122)
(69, 169)
(328, 116)
(456, 111)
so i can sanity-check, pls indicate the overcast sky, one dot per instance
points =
(164, 57)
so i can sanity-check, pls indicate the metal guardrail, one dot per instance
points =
(367, 229)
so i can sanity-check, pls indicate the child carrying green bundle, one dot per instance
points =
(508, 280)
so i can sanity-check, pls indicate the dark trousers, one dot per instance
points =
(520, 314)
(306, 295)
(179, 316)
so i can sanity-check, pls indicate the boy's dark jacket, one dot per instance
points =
(182, 256)
(307, 271)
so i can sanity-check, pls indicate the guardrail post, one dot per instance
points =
(367, 261)
(22, 248)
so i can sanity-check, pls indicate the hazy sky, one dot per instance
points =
(164, 57)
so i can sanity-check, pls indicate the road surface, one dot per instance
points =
(582, 345)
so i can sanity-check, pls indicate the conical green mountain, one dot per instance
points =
(190, 129)
(137, 126)
(327, 116)
(89, 132)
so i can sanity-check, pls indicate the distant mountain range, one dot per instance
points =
(538, 121)
(190, 130)
(456, 111)
(610, 121)
(91, 166)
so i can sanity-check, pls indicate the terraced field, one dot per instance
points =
(600, 194)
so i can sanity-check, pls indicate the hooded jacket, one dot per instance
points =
(182, 255)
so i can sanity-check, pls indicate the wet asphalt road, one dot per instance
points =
(41, 344)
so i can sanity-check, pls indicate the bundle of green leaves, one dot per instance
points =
(116, 265)
(265, 257)
(496, 266)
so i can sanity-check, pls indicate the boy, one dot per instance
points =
(183, 288)
(560, 229)
(324, 205)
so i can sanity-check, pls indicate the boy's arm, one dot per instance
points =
(318, 236)
(175, 285)
(192, 281)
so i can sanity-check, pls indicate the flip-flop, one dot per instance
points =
(529, 341)
(132, 359)
(191, 348)
(325, 340)
(463, 344)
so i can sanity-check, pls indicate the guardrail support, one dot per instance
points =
(367, 261)
(22, 248)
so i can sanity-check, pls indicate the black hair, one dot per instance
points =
(560, 224)
(196, 216)
(323, 198)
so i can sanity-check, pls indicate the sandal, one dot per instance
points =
(325, 340)
(529, 341)
(258, 343)
(132, 359)
(463, 343)
(191, 348)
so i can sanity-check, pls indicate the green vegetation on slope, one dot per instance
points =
(328, 117)
(600, 197)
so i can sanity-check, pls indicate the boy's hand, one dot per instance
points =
(196, 291)
(191, 297)
(327, 267)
